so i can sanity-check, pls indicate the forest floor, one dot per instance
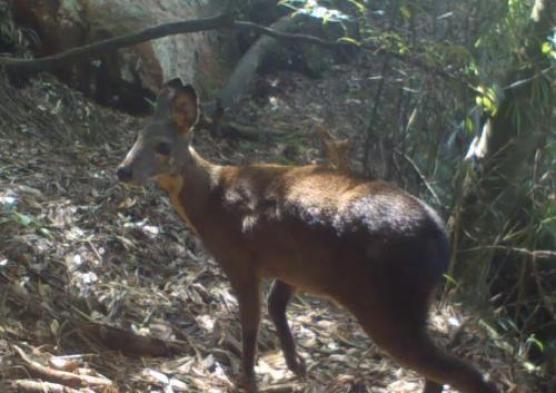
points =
(104, 290)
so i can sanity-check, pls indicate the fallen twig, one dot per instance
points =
(134, 344)
(282, 388)
(63, 377)
(28, 385)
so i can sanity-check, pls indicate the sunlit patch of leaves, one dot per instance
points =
(318, 9)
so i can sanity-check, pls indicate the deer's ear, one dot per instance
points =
(183, 104)
(185, 108)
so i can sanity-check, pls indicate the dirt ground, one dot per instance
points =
(102, 289)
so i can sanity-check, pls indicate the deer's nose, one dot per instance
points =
(124, 173)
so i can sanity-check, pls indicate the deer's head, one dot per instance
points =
(160, 145)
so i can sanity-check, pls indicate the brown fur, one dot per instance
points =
(371, 247)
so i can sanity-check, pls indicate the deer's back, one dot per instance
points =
(321, 230)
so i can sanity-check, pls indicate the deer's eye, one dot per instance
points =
(163, 148)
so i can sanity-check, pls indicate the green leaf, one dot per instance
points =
(54, 327)
(349, 40)
(406, 12)
(490, 98)
(450, 280)
(45, 232)
(288, 4)
(360, 6)
(533, 341)
(23, 219)
(469, 126)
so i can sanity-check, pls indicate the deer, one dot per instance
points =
(372, 248)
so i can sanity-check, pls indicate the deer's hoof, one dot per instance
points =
(297, 366)
(247, 384)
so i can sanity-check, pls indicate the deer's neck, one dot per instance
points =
(189, 190)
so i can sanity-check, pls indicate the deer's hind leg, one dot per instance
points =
(278, 300)
(402, 334)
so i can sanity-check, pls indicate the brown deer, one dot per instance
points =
(374, 249)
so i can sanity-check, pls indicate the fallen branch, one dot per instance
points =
(282, 388)
(303, 38)
(62, 377)
(25, 66)
(28, 385)
(133, 344)
(220, 21)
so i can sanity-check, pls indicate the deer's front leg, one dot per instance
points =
(247, 288)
